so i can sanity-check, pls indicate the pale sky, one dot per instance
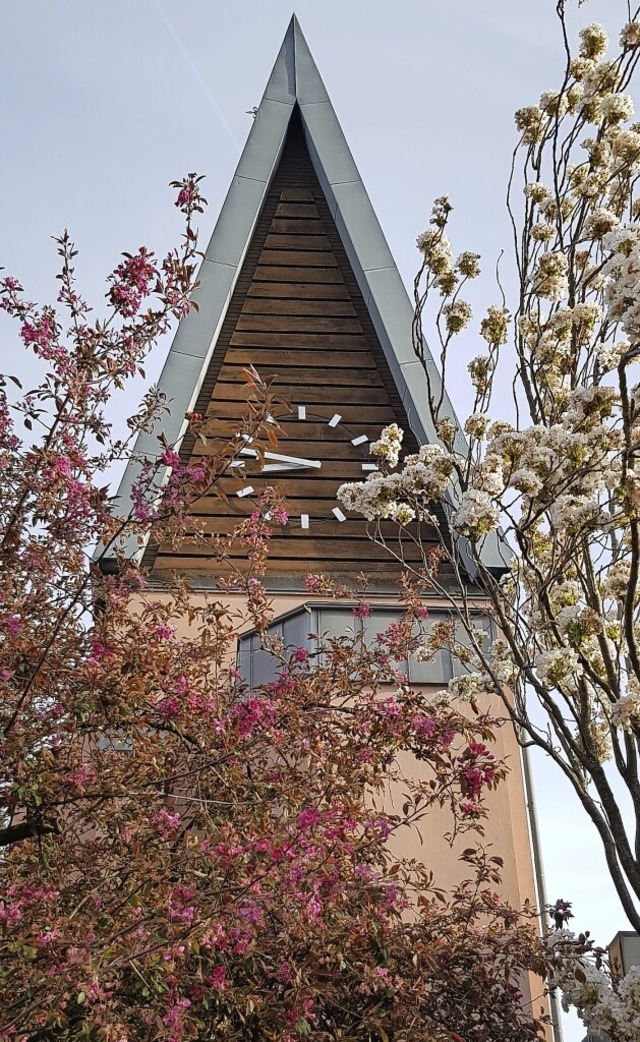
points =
(105, 102)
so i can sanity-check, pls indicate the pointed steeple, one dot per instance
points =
(296, 124)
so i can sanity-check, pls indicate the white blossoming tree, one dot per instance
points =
(545, 501)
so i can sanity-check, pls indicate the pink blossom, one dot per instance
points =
(381, 827)
(169, 707)
(46, 938)
(165, 824)
(176, 1012)
(217, 978)
(308, 818)
(14, 625)
(9, 914)
(362, 611)
(82, 776)
(251, 912)
(170, 458)
(280, 515)
(424, 726)
(300, 655)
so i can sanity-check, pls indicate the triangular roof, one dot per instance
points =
(295, 85)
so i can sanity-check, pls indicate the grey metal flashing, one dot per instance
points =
(295, 80)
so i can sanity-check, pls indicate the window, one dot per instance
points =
(308, 625)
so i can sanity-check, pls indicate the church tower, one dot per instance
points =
(298, 281)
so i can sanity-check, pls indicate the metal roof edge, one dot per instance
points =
(380, 283)
(195, 339)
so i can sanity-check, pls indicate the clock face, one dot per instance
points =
(310, 472)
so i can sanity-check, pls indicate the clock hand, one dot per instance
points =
(281, 462)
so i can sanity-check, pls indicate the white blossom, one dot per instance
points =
(594, 40)
(457, 315)
(617, 107)
(555, 665)
(476, 514)
(550, 280)
(387, 447)
(630, 35)
(599, 222)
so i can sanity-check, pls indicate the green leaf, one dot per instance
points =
(81, 997)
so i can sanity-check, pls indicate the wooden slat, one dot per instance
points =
(361, 377)
(277, 360)
(296, 194)
(298, 323)
(255, 338)
(339, 470)
(296, 226)
(361, 549)
(383, 569)
(291, 306)
(310, 487)
(309, 431)
(240, 508)
(294, 209)
(299, 258)
(327, 529)
(277, 241)
(305, 393)
(310, 291)
(360, 413)
(269, 273)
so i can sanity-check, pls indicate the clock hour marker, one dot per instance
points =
(338, 514)
(249, 452)
(335, 420)
(369, 466)
(302, 412)
(247, 438)
(238, 463)
(359, 441)
(246, 491)
(304, 520)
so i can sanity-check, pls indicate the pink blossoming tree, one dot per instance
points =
(184, 858)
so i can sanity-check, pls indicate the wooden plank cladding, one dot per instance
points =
(316, 291)
(264, 306)
(297, 314)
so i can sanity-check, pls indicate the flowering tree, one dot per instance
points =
(544, 525)
(183, 857)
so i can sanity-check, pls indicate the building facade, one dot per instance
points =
(298, 282)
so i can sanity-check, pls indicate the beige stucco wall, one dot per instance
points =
(506, 828)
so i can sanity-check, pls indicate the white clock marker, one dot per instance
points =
(246, 491)
(247, 438)
(304, 520)
(369, 466)
(249, 452)
(302, 412)
(359, 441)
(338, 513)
(335, 420)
